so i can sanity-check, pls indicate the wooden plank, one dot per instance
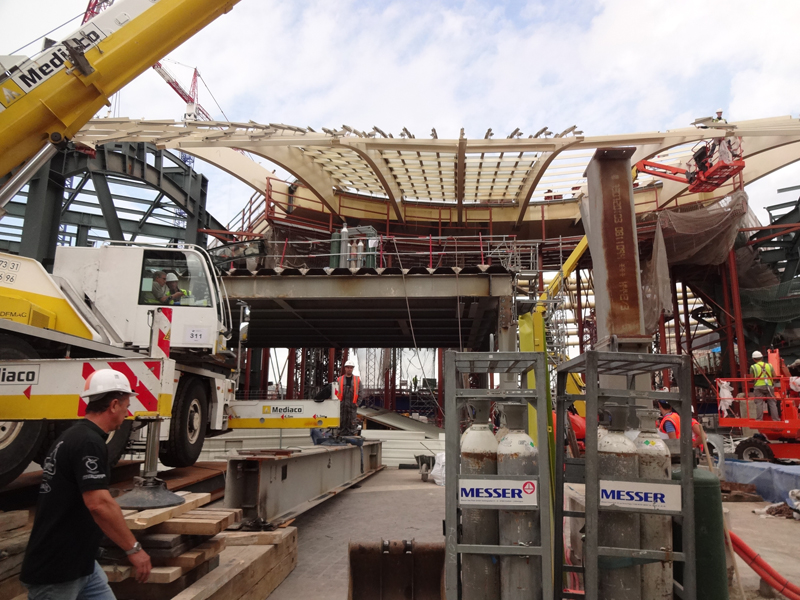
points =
(118, 573)
(131, 590)
(11, 587)
(14, 542)
(267, 584)
(149, 518)
(240, 569)
(260, 538)
(11, 565)
(193, 524)
(13, 519)
(161, 540)
(194, 557)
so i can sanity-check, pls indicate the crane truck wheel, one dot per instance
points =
(754, 449)
(187, 428)
(19, 440)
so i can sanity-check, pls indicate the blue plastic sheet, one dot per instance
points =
(773, 482)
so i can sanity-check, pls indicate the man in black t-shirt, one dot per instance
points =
(75, 508)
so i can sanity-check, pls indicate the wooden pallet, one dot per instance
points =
(15, 532)
(245, 573)
(169, 569)
(130, 589)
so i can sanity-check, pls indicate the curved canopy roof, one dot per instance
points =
(513, 172)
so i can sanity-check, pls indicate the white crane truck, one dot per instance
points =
(96, 311)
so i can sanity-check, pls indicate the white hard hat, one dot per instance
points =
(719, 110)
(172, 277)
(757, 355)
(105, 381)
(349, 363)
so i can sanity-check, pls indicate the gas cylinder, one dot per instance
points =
(520, 576)
(344, 247)
(480, 573)
(617, 459)
(655, 530)
(360, 254)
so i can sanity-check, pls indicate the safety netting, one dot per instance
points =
(775, 304)
(705, 235)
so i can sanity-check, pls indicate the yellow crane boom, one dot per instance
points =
(55, 93)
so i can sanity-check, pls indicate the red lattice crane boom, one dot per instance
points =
(190, 97)
(95, 8)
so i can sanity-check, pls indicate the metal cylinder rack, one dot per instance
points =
(480, 491)
(632, 495)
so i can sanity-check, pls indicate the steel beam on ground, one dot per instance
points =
(304, 479)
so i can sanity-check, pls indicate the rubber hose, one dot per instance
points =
(754, 557)
(763, 570)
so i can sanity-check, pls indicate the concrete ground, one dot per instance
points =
(396, 504)
(393, 504)
(777, 540)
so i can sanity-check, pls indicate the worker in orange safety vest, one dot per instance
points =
(347, 392)
(670, 425)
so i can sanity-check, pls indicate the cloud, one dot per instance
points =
(608, 66)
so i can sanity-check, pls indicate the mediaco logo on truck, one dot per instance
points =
(281, 410)
(19, 374)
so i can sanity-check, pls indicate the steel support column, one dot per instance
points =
(45, 197)
(729, 324)
(666, 380)
(440, 386)
(113, 225)
(688, 335)
(737, 314)
(247, 369)
(290, 373)
(303, 353)
(264, 380)
(676, 315)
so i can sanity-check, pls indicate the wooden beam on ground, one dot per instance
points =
(148, 518)
(13, 519)
(199, 522)
(130, 589)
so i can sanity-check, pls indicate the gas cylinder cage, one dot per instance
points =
(593, 364)
(512, 367)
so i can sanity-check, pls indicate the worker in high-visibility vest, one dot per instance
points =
(762, 387)
(348, 394)
(670, 425)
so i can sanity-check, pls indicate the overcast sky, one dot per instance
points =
(612, 66)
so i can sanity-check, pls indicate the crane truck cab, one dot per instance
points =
(112, 307)
(119, 284)
(96, 311)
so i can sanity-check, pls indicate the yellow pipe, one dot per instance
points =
(65, 102)
(566, 270)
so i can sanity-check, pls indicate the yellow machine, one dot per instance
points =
(51, 95)
(100, 309)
